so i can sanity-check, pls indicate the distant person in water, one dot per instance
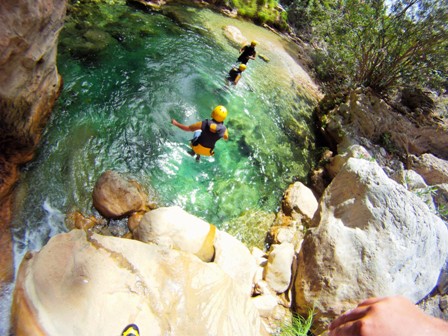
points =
(248, 52)
(235, 74)
(206, 132)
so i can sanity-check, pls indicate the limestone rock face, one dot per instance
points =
(115, 196)
(372, 238)
(82, 284)
(30, 81)
(431, 168)
(29, 87)
(366, 115)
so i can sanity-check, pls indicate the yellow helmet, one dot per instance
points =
(219, 113)
(253, 43)
(242, 67)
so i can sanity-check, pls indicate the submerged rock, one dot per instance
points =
(234, 36)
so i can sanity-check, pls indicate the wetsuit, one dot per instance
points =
(248, 51)
(212, 131)
(233, 74)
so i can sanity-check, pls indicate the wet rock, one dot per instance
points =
(79, 221)
(265, 304)
(115, 196)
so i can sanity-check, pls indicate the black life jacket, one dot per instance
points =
(233, 74)
(248, 51)
(212, 131)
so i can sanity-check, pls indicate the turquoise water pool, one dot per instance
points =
(126, 73)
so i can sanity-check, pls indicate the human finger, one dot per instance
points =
(371, 301)
(347, 329)
(352, 315)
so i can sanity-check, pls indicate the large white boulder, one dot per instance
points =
(175, 228)
(82, 284)
(372, 237)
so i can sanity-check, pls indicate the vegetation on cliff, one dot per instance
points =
(378, 44)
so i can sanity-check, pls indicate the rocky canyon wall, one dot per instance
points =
(30, 85)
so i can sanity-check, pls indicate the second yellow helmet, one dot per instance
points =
(219, 113)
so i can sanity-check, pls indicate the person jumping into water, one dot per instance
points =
(206, 132)
(248, 52)
(235, 74)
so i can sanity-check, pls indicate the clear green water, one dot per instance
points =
(126, 73)
(115, 110)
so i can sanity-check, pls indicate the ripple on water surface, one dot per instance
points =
(116, 107)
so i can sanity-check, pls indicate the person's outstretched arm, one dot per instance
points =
(186, 128)
(388, 316)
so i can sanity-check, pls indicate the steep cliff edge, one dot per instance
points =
(30, 85)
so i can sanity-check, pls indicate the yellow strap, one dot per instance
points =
(131, 331)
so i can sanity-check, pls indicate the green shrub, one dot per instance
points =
(299, 326)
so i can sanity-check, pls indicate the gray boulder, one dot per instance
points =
(372, 237)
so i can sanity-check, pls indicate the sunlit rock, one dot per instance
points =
(367, 115)
(372, 238)
(172, 227)
(278, 269)
(409, 179)
(440, 197)
(82, 284)
(336, 162)
(115, 196)
(235, 259)
(299, 201)
(433, 169)
(265, 304)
